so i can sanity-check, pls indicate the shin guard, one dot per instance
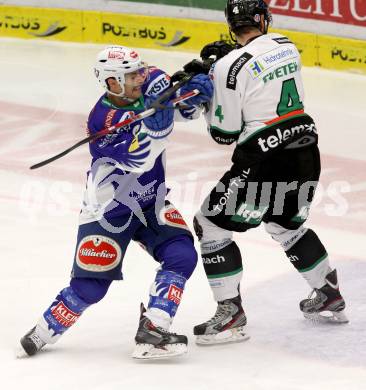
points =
(310, 258)
(224, 270)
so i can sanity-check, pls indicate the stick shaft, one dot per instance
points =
(112, 129)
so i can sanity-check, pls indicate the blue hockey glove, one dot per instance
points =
(201, 82)
(160, 124)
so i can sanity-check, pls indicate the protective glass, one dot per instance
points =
(138, 77)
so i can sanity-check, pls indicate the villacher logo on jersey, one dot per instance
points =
(172, 217)
(92, 252)
(98, 254)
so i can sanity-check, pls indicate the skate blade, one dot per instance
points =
(327, 317)
(235, 335)
(149, 351)
(20, 352)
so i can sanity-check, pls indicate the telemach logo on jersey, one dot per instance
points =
(98, 253)
(287, 136)
(235, 69)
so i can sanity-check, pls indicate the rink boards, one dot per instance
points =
(154, 32)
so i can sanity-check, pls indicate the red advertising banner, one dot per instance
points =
(351, 12)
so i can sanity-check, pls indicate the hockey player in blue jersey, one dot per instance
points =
(125, 199)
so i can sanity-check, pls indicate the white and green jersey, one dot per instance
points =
(257, 87)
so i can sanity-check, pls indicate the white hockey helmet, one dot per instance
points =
(117, 62)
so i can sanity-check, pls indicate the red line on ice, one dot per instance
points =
(68, 128)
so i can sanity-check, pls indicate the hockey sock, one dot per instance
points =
(165, 296)
(310, 258)
(61, 315)
(224, 270)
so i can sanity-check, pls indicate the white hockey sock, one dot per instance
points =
(44, 333)
(158, 317)
(316, 276)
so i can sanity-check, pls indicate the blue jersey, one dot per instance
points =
(128, 166)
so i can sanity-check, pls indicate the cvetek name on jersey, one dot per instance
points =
(272, 59)
(281, 72)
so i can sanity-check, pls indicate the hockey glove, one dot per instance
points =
(216, 50)
(201, 82)
(197, 66)
(192, 68)
(160, 124)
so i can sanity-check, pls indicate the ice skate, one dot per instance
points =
(326, 304)
(30, 344)
(226, 326)
(153, 342)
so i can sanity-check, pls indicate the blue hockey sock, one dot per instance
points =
(165, 295)
(63, 312)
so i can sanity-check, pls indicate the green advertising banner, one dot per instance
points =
(164, 33)
(206, 4)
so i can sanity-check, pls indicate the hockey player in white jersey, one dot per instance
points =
(258, 103)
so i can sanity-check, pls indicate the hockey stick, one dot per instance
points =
(126, 122)
(183, 79)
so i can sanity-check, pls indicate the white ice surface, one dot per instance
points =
(47, 90)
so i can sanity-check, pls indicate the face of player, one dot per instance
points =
(134, 82)
(132, 86)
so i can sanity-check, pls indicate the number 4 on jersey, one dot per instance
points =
(219, 113)
(290, 99)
